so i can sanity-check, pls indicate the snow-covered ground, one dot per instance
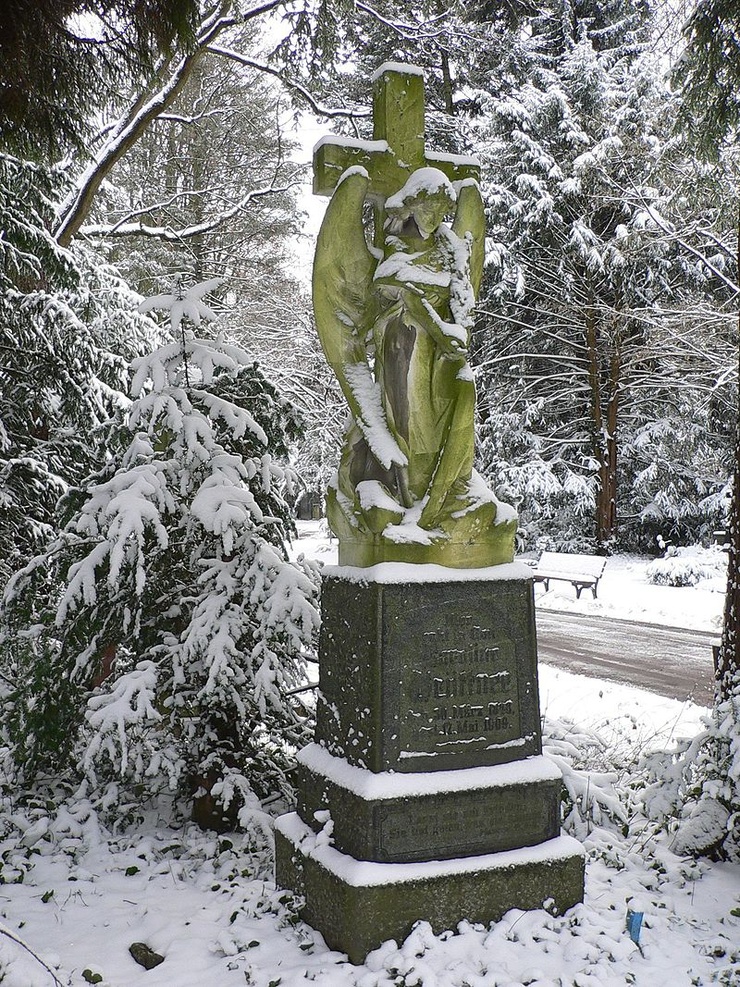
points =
(78, 896)
(625, 592)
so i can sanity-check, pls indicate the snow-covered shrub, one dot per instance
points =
(676, 572)
(684, 568)
(694, 790)
(590, 796)
(156, 643)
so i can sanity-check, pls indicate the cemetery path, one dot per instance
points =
(668, 660)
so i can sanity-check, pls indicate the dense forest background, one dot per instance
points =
(150, 455)
(606, 334)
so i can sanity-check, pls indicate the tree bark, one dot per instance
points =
(609, 485)
(447, 84)
(727, 658)
(606, 499)
(604, 431)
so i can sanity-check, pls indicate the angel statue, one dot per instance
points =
(394, 320)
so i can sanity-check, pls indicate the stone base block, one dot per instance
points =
(401, 818)
(357, 905)
(427, 669)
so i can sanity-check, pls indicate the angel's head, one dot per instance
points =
(426, 198)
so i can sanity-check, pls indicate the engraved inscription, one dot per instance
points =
(463, 691)
(477, 822)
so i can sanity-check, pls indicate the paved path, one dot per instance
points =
(667, 660)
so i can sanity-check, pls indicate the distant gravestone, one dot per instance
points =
(425, 795)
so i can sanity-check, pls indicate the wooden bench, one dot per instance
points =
(580, 570)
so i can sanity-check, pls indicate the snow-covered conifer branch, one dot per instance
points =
(110, 716)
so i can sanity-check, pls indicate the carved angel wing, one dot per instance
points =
(345, 308)
(342, 277)
(470, 218)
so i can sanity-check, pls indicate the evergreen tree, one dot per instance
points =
(618, 29)
(708, 74)
(59, 61)
(92, 681)
(709, 772)
(586, 269)
(67, 326)
(159, 639)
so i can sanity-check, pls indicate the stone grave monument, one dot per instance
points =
(425, 795)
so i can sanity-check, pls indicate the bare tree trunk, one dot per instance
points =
(604, 397)
(447, 84)
(609, 486)
(604, 436)
(727, 658)
(606, 498)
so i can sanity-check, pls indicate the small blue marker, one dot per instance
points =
(634, 925)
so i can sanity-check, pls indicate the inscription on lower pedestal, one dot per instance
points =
(462, 691)
(468, 823)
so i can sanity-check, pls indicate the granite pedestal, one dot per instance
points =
(426, 795)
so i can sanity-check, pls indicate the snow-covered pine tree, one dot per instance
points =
(156, 644)
(67, 331)
(704, 778)
(53, 79)
(587, 270)
(674, 478)
(708, 74)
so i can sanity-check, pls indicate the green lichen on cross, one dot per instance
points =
(395, 324)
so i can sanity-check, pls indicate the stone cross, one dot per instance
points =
(397, 148)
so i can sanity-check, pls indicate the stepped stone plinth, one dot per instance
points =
(426, 795)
